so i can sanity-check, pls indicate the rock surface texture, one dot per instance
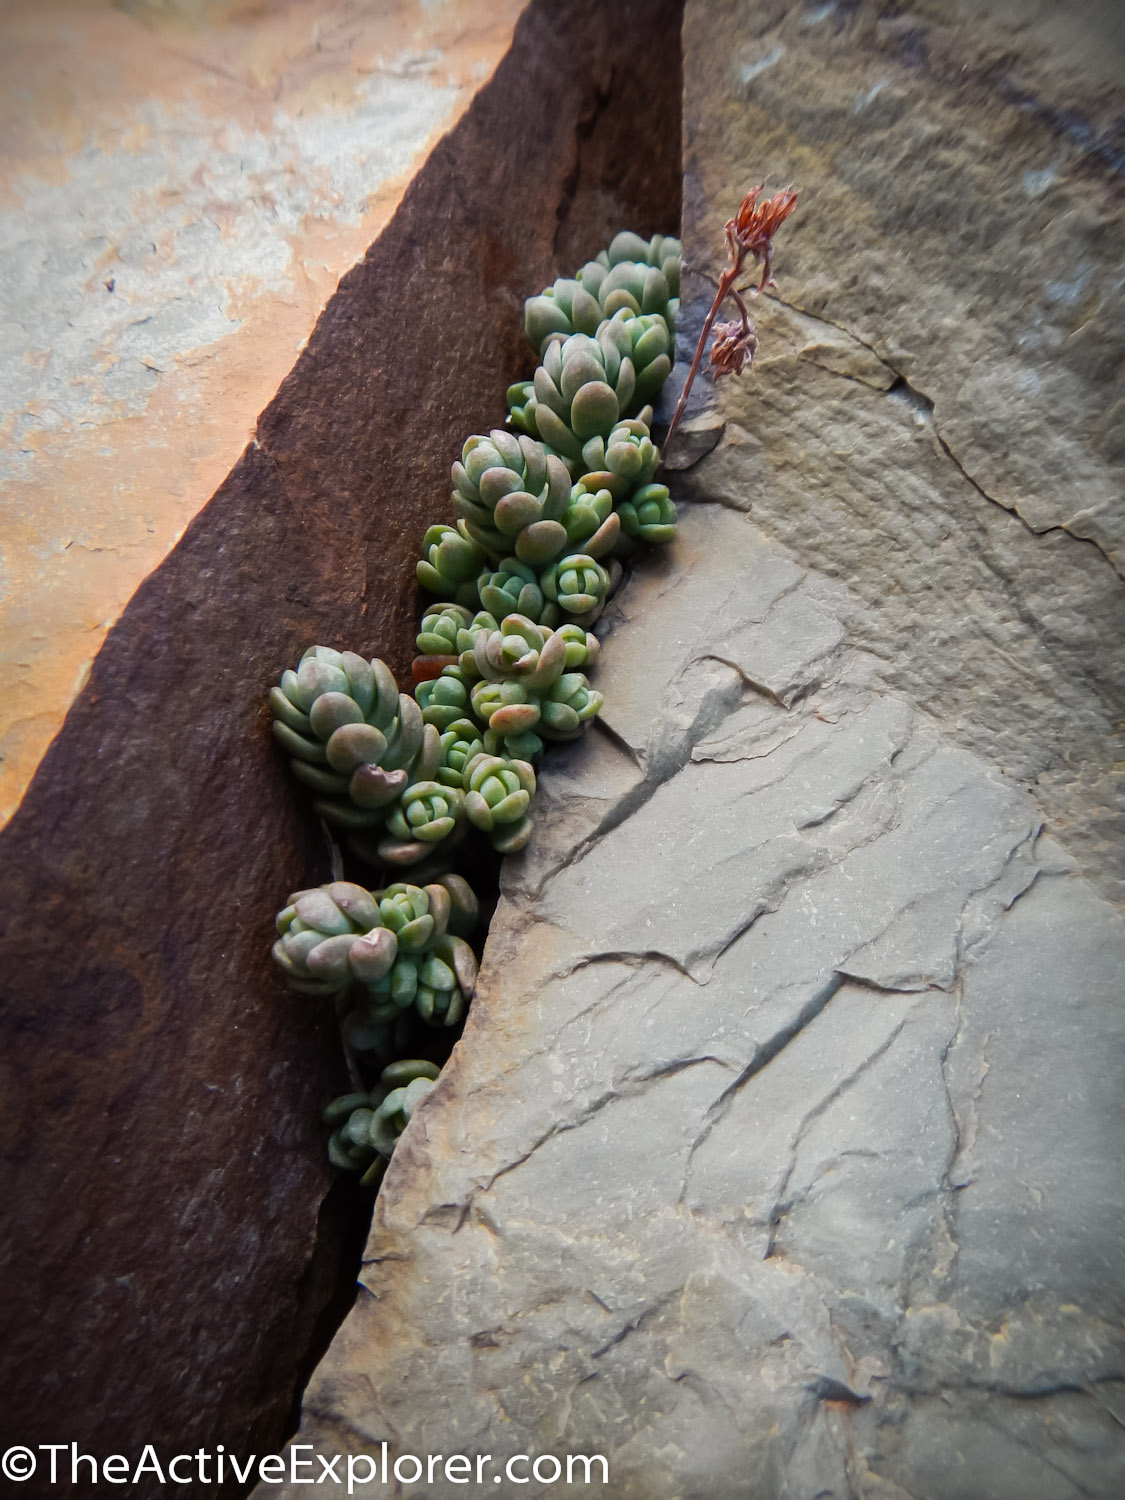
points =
(781, 1157)
(182, 185)
(163, 1166)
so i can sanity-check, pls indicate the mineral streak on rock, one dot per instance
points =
(780, 1155)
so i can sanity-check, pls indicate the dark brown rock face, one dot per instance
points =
(163, 1166)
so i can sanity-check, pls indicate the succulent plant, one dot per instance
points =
(426, 813)
(626, 458)
(402, 946)
(568, 707)
(518, 697)
(649, 513)
(366, 1126)
(582, 646)
(444, 699)
(593, 527)
(440, 625)
(459, 743)
(351, 735)
(641, 275)
(647, 342)
(434, 969)
(511, 713)
(661, 250)
(510, 493)
(332, 935)
(581, 390)
(450, 564)
(520, 651)
(514, 589)
(578, 585)
(498, 792)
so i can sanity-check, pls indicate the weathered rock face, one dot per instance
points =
(934, 415)
(779, 1157)
(164, 1165)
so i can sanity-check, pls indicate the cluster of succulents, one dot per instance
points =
(642, 276)
(545, 508)
(366, 1125)
(386, 950)
(544, 511)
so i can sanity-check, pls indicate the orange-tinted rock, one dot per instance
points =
(240, 158)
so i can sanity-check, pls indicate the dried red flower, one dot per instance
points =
(753, 227)
(750, 232)
(732, 348)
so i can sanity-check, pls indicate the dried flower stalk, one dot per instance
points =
(749, 233)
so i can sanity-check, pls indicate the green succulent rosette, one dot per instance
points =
(459, 744)
(582, 646)
(568, 707)
(571, 305)
(366, 1126)
(454, 630)
(331, 936)
(510, 493)
(592, 525)
(450, 562)
(498, 792)
(625, 459)
(579, 585)
(426, 813)
(649, 514)
(520, 651)
(661, 250)
(434, 969)
(511, 714)
(439, 629)
(443, 700)
(519, 698)
(581, 390)
(640, 275)
(351, 735)
(645, 340)
(513, 589)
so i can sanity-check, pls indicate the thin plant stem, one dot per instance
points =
(726, 282)
(750, 232)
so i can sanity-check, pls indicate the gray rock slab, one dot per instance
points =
(781, 1154)
(931, 413)
(715, 1184)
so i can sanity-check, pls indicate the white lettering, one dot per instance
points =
(355, 1458)
(149, 1464)
(581, 1458)
(54, 1449)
